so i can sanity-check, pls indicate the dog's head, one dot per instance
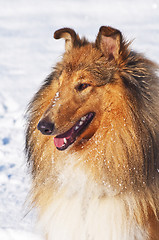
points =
(82, 89)
(101, 99)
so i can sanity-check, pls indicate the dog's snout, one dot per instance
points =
(45, 127)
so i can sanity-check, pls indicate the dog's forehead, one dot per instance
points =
(74, 77)
(81, 58)
(88, 61)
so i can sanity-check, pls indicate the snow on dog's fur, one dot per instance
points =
(92, 142)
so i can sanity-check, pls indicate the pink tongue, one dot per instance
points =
(59, 142)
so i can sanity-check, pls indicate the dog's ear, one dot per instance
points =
(109, 41)
(69, 35)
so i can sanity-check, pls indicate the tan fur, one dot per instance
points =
(119, 151)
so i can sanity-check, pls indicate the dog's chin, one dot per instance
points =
(63, 141)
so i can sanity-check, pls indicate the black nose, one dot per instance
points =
(46, 127)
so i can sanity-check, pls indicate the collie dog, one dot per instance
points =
(92, 142)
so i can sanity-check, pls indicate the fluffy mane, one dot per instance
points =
(122, 156)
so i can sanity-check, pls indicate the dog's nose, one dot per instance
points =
(46, 127)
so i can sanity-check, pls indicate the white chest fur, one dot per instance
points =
(79, 212)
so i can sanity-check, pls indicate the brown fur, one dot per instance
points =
(120, 148)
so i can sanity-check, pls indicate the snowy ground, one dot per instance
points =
(27, 53)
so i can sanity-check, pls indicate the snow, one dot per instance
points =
(27, 53)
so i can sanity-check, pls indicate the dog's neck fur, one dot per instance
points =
(80, 209)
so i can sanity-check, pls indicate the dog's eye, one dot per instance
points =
(82, 86)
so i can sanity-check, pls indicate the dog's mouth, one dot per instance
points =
(64, 140)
